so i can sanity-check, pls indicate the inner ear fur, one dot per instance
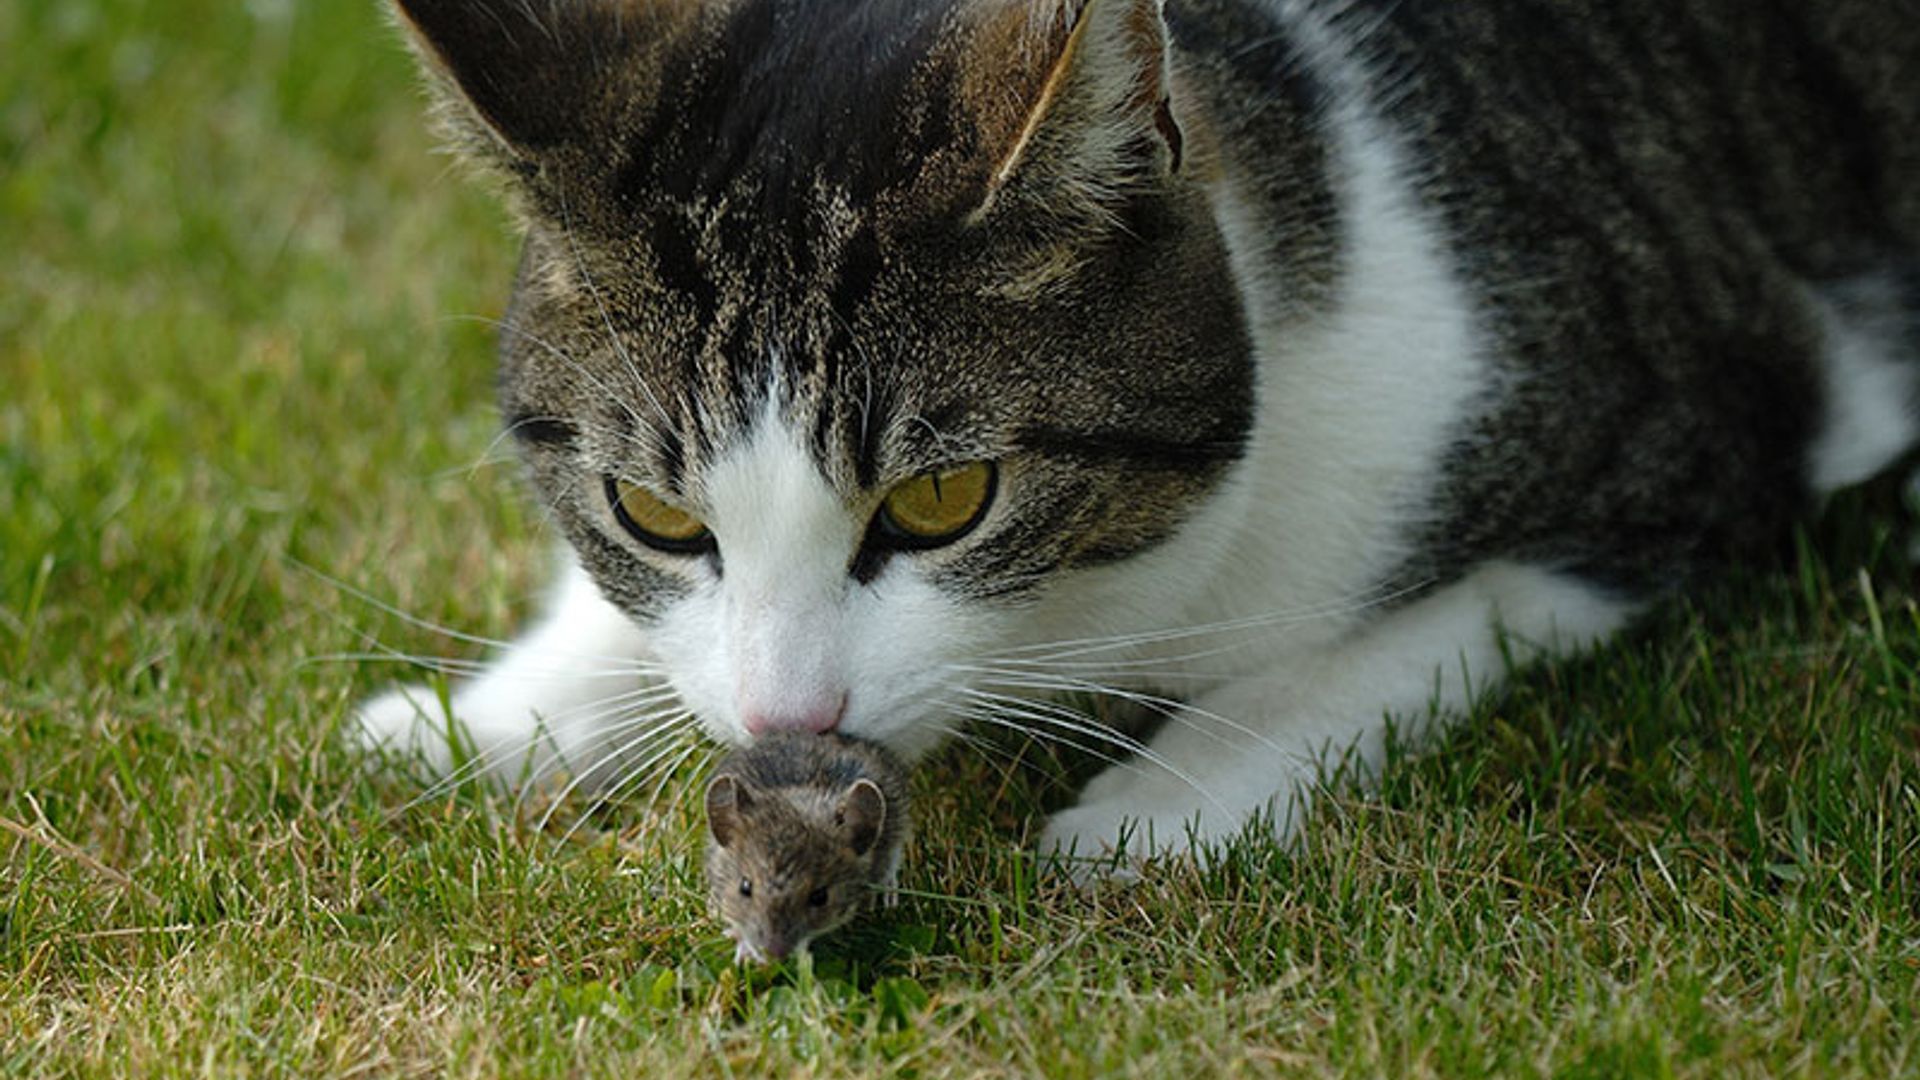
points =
(517, 79)
(728, 797)
(1101, 127)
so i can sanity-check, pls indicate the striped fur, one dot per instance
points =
(1456, 325)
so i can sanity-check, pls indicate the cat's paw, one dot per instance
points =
(1117, 828)
(407, 722)
(1108, 839)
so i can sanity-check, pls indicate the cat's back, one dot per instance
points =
(1676, 229)
(1796, 115)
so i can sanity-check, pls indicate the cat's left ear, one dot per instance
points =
(1101, 128)
(518, 81)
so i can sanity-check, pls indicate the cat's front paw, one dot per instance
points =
(1110, 838)
(407, 722)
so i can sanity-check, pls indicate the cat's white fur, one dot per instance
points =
(1260, 615)
(540, 701)
(786, 630)
(1872, 392)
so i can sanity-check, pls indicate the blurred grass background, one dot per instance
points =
(242, 333)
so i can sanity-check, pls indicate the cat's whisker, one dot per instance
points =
(620, 664)
(563, 356)
(685, 731)
(642, 430)
(986, 747)
(382, 606)
(662, 731)
(994, 718)
(665, 762)
(598, 711)
(696, 746)
(590, 715)
(493, 455)
(606, 319)
(1034, 708)
(1027, 710)
(488, 458)
(665, 758)
(1170, 708)
(437, 665)
(453, 665)
(1069, 658)
(651, 691)
(1073, 647)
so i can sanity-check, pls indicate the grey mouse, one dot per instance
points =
(805, 831)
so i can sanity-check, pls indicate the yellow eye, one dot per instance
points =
(938, 507)
(654, 523)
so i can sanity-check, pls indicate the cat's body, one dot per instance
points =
(1316, 358)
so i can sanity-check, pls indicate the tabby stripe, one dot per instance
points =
(543, 431)
(1130, 449)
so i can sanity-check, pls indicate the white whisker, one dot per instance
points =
(1061, 649)
(625, 662)
(994, 718)
(1176, 711)
(1038, 713)
(665, 762)
(591, 715)
(662, 730)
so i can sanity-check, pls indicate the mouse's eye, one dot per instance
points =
(746, 886)
(818, 897)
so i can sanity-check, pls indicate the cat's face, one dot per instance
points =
(847, 335)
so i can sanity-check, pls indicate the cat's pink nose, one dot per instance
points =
(817, 717)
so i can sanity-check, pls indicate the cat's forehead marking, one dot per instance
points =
(749, 103)
(741, 319)
(783, 526)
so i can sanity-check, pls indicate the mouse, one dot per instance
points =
(805, 832)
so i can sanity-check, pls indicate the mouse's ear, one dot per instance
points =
(727, 798)
(862, 810)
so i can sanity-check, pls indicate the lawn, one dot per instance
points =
(245, 409)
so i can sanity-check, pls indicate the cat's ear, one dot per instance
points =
(1101, 127)
(861, 813)
(517, 79)
(728, 798)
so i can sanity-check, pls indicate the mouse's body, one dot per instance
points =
(805, 830)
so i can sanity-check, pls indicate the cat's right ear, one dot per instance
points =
(517, 80)
(727, 799)
(1101, 126)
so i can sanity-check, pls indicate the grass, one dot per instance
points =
(235, 342)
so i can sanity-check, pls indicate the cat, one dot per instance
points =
(1291, 367)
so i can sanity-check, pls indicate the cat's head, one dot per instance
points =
(850, 333)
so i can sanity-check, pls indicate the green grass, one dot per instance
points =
(236, 290)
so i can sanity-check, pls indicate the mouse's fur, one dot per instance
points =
(805, 830)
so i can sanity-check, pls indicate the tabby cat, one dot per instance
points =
(1287, 366)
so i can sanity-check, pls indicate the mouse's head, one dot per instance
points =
(788, 865)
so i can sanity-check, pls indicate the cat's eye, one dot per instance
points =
(655, 523)
(937, 507)
(818, 897)
(746, 886)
